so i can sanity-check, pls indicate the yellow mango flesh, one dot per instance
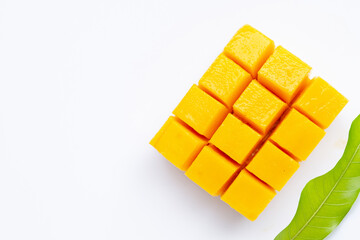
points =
(249, 48)
(177, 143)
(255, 110)
(273, 166)
(248, 195)
(201, 112)
(259, 107)
(320, 102)
(225, 80)
(297, 135)
(284, 74)
(235, 138)
(211, 170)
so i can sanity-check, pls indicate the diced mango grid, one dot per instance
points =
(242, 131)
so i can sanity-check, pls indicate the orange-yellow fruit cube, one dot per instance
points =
(201, 112)
(320, 102)
(235, 138)
(248, 195)
(211, 170)
(297, 135)
(273, 166)
(225, 80)
(177, 143)
(284, 74)
(259, 107)
(249, 48)
(255, 114)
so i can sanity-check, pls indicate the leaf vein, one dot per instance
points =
(328, 195)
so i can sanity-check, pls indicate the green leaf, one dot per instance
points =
(326, 200)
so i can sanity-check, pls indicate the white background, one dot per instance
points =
(84, 85)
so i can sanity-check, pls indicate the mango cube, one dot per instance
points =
(235, 138)
(284, 74)
(177, 143)
(211, 170)
(297, 135)
(249, 48)
(225, 80)
(201, 112)
(320, 102)
(248, 195)
(259, 107)
(254, 115)
(273, 166)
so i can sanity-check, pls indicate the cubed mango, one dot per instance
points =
(320, 102)
(211, 170)
(249, 48)
(248, 195)
(235, 138)
(225, 80)
(297, 135)
(273, 166)
(284, 74)
(201, 112)
(255, 114)
(177, 143)
(259, 107)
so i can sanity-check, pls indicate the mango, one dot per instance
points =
(248, 195)
(225, 80)
(211, 170)
(273, 166)
(259, 107)
(253, 117)
(201, 112)
(235, 138)
(297, 135)
(177, 143)
(249, 48)
(284, 74)
(320, 102)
